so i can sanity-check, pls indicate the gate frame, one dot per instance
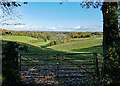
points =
(95, 56)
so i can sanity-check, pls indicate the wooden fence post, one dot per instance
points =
(96, 64)
(20, 62)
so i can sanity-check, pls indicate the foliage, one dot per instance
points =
(10, 64)
(10, 71)
(68, 39)
(110, 46)
(83, 34)
(8, 13)
(53, 43)
(51, 36)
(111, 67)
(44, 38)
(60, 37)
(111, 52)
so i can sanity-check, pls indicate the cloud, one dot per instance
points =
(84, 28)
(19, 27)
(53, 28)
(77, 27)
(59, 28)
(90, 28)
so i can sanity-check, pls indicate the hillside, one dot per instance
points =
(18, 38)
(86, 45)
(24, 39)
(76, 46)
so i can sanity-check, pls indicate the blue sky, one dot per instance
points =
(52, 16)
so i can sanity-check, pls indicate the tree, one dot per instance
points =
(10, 64)
(35, 34)
(7, 8)
(68, 39)
(111, 51)
(61, 38)
(110, 40)
(50, 37)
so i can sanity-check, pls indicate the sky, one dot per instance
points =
(52, 16)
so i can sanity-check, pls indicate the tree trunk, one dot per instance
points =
(110, 39)
(110, 28)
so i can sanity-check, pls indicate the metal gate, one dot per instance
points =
(76, 69)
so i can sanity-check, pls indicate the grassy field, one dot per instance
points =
(24, 39)
(41, 43)
(18, 38)
(77, 46)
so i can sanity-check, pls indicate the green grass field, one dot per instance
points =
(18, 38)
(24, 39)
(87, 45)
(40, 43)
(78, 46)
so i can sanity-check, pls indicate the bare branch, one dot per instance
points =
(8, 12)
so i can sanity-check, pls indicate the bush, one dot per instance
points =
(10, 64)
(23, 48)
(89, 35)
(53, 43)
(56, 42)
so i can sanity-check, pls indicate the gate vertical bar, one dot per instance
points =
(20, 63)
(57, 73)
(17, 63)
(20, 70)
(96, 64)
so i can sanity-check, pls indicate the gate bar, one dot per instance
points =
(97, 68)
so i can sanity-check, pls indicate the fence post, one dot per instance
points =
(20, 70)
(16, 62)
(96, 68)
(57, 72)
(20, 64)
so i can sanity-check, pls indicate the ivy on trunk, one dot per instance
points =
(110, 41)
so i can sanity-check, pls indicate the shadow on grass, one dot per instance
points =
(44, 46)
(97, 49)
(37, 50)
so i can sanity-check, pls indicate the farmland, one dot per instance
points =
(37, 66)
(24, 39)
(86, 45)
(76, 46)
(18, 38)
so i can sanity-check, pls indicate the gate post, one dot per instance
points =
(20, 70)
(57, 72)
(20, 62)
(96, 64)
